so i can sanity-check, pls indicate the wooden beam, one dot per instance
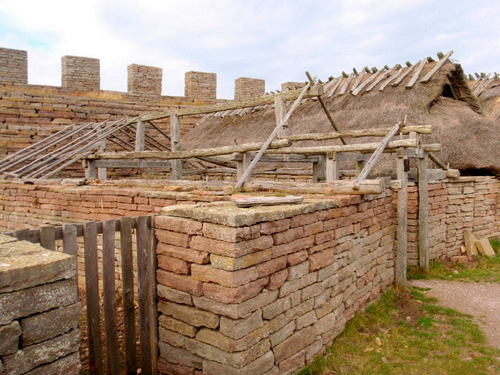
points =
(140, 132)
(438, 66)
(331, 167)
(175, 135)
(414, 79)
(402, 228)
(186, 154)
(423, 212)
(254, 102)
(269, 140)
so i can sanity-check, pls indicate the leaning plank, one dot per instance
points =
(186, 154)
(334, 88)
(92, 293)
(438, 66)
(470, 243)
(379, 78)
(374, 157)
(390, 79)
(414, 79)
(145, 295)
(344, 87)
(270, 139)
(484, 247)
(108, 275)
(268, 201)
(128, 294)
(254, 102)
(403, 75)
(366, 82)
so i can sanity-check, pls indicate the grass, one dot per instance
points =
(406, 333)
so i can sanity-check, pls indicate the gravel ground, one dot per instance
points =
(481, 300)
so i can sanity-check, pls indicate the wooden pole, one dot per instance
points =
(175, 135)
(273, 135)
(402, 215)
(331, 168)
(242, 165)
(140, 133)
(423, 212)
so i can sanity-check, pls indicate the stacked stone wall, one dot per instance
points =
(246, 88)
(200, 85)
(39, 310)
(13, 66)
(263, 290)
(144, 79)
(81, 73)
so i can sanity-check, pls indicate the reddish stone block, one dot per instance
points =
(229, 279)
(271, 227)
(172, 264)
(234, 295)
(272, 266)
(180, 282)
(277, 279)
(294, 246)
(324, 237)
(302, 220)
(230, 234)
(296, 258)
(184, 253)
(288, 236)
(321, 259)
(172, 238)
(177, 224)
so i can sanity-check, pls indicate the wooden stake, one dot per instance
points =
(175, 135)
(423, 212)
(402, 234)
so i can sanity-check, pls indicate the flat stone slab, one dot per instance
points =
(227, 213)
(24, 264)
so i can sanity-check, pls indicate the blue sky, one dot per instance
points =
(275, 40)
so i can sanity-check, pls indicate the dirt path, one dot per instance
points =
(481, 300)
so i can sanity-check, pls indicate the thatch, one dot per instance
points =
(469, 139)
(488, 93)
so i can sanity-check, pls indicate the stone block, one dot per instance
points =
(47, 325)
(177, 224)
(229, 249)
(297, 284)
(230, 345)
(277, 279)
(24, 264)
(325, 323)
(321, 259)
(230, 234)
(229, 279)
(37, 299)
(234, 295)
(174, 265)
(290, 365)
(276, 308)
(271, 227)
(169, 368)
(237, 328)
(245, 261)
(69, 365)
(282, 334)
(271, 266)
(288, 235)
(48, 351)
(296, 258)
(179, 356)
(9, 338)
(184, 253)
(294, 344)
(189, 315)
(292, 247)
(236, 311)
(298, 271)
(172, 238)
(178, 326)
(180, 282)
(260, 366)
(173, 295)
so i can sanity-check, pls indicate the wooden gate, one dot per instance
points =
(97, 236)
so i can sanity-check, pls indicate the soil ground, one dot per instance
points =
(480, 300)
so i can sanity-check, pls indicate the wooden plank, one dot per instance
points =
(186, 154)
(470, 243)
(376, 154)
(70, 243)
(414, 78)
(331, 167)
(92, 295)
(268, 201)
(421, 129)
(318, 169)
(402, 226)
(270, 139)
(358, 80)
(366, 82)
(438, 66)
(423, 213)
(484, 247)
(108, 275)
(334, 88)
(242, 165)
(23, 235)
(253, 102)
(116, 163)
(128, 294)
(175, 134)
(48, 237)
(145, 294)
(344, 87)
(390, 79)
(403, 76)
(140, 133)
(280, 113)
(379, 79)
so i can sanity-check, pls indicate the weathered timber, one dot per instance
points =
(186, 154)
(268, 201)
(423, 212)
(422, 129)
(254, 102)
(402, 228)
(414, 79)
(175, 134)
(438, 66)
(470, 243)
(403, 75)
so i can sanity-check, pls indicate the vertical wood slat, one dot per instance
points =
(70, 244)
(108, 275)
(92, 293)
(145, 295)
(48, 238)
(423, 212)
(175, 134)
(402, 228)
(128, 295)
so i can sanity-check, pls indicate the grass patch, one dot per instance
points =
(483, 269)
(405, 333)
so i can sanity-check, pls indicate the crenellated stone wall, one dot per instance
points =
(247, 88)
(81, 73)
(263, 290)
(13, 66)
(144, 79)
(39, 310)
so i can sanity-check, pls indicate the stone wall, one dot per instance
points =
(81, 73)
(246, 88)
(144, 79)
(200, 85)
(39, 310)
(13, 66)
(263, 290)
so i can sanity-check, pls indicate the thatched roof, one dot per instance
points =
(487, 91)
(374, 100)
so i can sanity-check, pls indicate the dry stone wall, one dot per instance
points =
(39, 310)
(263, 290)
(13, 66)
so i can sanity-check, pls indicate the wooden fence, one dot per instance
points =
(145, 281)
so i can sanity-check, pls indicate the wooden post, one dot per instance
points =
(90, 169)
(102, 173)
(332, 172)
(402, 234)
(140, 134)
(242, 165)
(360, 163)
(175, 135)
(423, 212)
(319, 169)
(280, 112)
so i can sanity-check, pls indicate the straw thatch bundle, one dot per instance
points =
(469, 139)
(488, 93)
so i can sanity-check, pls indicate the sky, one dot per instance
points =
(274, 40)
